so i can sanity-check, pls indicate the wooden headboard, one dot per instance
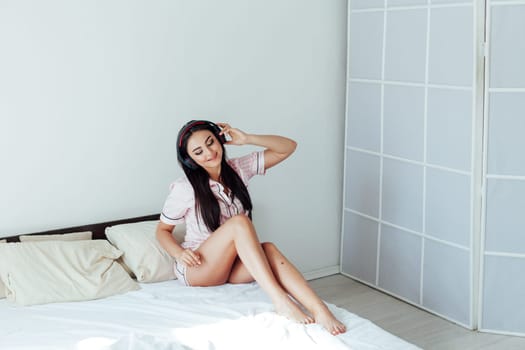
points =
(98, 229)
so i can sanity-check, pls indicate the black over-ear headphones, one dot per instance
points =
(182, 154)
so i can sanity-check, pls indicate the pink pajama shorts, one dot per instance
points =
(180, 272)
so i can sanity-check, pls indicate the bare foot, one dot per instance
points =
(287, 308)
(325, 318)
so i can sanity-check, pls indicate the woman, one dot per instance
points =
(221, 244)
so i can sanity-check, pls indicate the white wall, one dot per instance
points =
(92, 94)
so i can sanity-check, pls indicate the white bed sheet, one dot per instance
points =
(167, 315)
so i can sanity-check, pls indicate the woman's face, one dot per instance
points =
(205, 150)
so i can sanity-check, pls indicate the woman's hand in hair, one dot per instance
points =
(237, 137)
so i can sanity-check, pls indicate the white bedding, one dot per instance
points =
(166, 315)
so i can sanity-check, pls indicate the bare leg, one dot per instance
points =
(237, 237)
(293, 281)
(295, 284)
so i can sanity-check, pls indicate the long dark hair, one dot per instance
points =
(206, 203)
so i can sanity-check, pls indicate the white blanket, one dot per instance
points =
(167, 315)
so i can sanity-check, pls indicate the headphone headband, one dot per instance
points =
(188, 127)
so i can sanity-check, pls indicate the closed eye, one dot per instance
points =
(198, 150)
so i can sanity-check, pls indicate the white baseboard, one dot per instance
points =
(327, 271)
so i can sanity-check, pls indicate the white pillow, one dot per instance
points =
(60, 271)
(2, 286)
(73, 236)
(143, 254)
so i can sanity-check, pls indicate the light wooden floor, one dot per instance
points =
(406, 321)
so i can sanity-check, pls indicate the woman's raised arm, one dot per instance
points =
(278, 148)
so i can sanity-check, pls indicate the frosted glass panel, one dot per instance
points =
(451, 46)
(406, 45)
(449, 128)
(506, 141)
(403, 194)
(507, 47)
(406, 2)
(403, 121)
(504, 260)
(505, 210)
(409, 149)
(362, 183)
(448, 206)
(455, 2)
(360, 246)
(503, 296)
(399, 262)
(366, 50)
(446, 283)
(364, 121)
(363, 4)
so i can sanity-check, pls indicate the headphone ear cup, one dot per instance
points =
(217, 132)
(222, 138)
(188, 162)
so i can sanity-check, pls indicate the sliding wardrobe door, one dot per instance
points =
(409, 186)
(503, 274)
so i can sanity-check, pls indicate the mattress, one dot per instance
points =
(167, 315)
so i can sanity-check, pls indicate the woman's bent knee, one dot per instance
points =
(240, 220)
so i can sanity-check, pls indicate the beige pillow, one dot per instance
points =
(2, 286)
(73, 236)
(143, 254)
(60, 271)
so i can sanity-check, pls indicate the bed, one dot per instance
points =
(156, 312)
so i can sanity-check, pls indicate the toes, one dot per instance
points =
(338, 329)
(307, 320)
